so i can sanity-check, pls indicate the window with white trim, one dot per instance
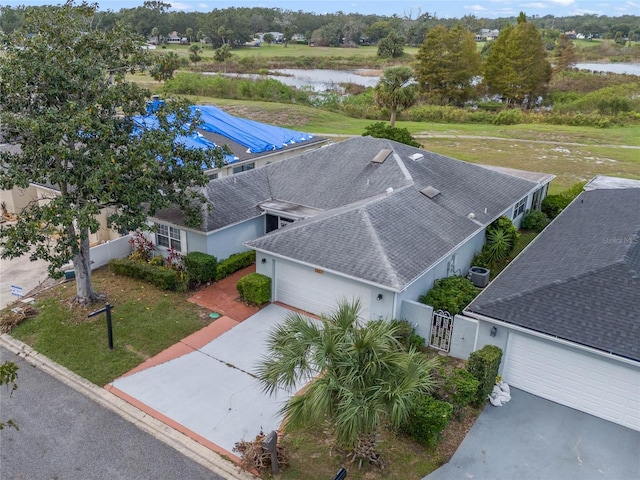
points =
(519, 208)
(168, 237)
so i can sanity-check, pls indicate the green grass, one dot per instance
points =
(292, 50)
(145, 322)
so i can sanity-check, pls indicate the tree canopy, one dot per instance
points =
(67, 106)
(395, 90)
(447, 64)
(517, 68)
(362, 375)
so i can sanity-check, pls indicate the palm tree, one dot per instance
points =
(394, 90)
(361, 375)
(155, 33)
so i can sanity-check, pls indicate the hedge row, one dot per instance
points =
(234, 263)
(201, 267)
(162, 277)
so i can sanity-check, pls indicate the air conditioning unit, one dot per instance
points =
(479, 276)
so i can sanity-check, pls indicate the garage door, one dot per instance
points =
(316, 291)
(606, 389)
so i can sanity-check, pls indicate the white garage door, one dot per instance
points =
(315, 291)
(603, 388)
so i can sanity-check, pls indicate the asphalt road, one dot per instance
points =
(65, 435)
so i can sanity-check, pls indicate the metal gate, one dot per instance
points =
(441, 328)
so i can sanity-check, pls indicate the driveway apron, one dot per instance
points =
(211, 393)
(533, 438)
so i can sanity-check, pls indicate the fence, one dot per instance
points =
(118, 248)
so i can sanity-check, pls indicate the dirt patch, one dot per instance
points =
(282, 116)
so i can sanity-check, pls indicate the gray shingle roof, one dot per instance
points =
(580, 279)
(384, 238)
(361, 230)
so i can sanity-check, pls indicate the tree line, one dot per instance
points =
(237, 25)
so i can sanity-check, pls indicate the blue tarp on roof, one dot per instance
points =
(257, 137)
(195, 140)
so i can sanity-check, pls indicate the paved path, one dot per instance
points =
(531, 438)
(65, 434)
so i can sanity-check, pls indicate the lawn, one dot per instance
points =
(145, 322)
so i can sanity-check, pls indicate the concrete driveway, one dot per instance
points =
(532, 438)
(20, 272)
(211, 393)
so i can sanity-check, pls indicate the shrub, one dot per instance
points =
(552, 205)
(162, 277)
(460, 389)
(427, 419)
(451, 294)
(255, 288)
(508, 117)
(534, 220)
(480, 260)
(501, 240)
(141, 246)
(382, 130)
(201, 267)
(235, 262)
(483, 364)
(407, 335)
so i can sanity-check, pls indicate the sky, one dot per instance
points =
(402, 8)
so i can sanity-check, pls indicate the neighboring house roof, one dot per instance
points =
(368, 220)
(246, 139)
(579, 280)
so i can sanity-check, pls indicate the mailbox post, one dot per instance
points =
(107, 308)
(270, 444)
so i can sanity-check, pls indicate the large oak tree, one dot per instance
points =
(66, 104)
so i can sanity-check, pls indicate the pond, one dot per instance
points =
(316, 79)
(629, 68)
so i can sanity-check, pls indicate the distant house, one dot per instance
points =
(278, 37)
(486, 34)
(364, 218)
(566, 311)
(571, 34)
(176, 38)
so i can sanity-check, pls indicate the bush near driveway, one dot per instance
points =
(428, 419)
(255, 288)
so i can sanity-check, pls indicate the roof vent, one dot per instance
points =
(381, 156)
(416, 156)
(389, 190)
(430, 191)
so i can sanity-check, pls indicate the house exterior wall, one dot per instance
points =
(17, 199)
(227, 241)
(447, 267)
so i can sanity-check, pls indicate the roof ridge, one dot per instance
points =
(378, 244)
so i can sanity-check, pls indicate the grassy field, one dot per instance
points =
(292, 50)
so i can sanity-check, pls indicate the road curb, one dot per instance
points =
(171, 437)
